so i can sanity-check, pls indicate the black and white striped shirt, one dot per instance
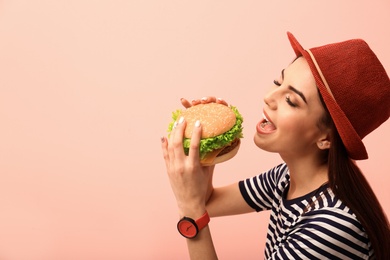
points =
(315, 226)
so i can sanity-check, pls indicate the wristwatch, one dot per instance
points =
(190, 228)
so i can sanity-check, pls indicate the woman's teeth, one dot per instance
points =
(264, 124)
(265, 117)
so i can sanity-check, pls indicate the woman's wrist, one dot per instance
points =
(192, 212)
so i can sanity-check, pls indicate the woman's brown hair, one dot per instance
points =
(350, 185)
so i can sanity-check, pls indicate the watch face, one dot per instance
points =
(187, 228)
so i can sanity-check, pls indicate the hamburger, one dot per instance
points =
(221, 131)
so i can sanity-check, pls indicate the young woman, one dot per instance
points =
(315, 116)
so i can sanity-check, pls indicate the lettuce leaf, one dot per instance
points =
(209, 144)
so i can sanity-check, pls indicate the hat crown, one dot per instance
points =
(354, 86)
(358, 82)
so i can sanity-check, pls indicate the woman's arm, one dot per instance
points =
(193, 187)
(202, 247)
(191, 184)
(226, 201)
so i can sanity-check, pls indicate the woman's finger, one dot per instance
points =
(204, 100)
(175, 147)
(195, 102)
(195, 140)
(171, 154)
(209, 99)
(212, 99)
(185, 103)
(221, 101)
(164, 148)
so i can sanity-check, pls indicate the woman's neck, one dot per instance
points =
(305, 177)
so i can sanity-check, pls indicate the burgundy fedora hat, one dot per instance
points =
(354, 86)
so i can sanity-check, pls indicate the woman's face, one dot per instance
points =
(292, 113)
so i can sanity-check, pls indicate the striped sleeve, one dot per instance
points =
(259, 191)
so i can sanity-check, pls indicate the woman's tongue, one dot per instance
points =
(267, 126)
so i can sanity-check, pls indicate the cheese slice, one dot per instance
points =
(222, 154)
(211, 157)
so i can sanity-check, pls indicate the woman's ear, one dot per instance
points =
(324, 143)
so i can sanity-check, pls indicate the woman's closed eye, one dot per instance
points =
(277, 83)
(288, 100)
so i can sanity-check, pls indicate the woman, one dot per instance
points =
(315, 117)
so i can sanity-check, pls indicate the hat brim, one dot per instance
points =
(351, 140)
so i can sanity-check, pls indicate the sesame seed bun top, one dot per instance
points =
(215, 118)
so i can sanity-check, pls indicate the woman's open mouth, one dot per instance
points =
(265, 126)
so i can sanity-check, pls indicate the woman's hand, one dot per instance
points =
(204, 100)
(190, 181)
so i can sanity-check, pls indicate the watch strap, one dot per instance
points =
(203, 221)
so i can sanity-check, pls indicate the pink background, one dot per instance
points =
(87, 88)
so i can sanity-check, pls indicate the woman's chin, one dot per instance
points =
(259, 142)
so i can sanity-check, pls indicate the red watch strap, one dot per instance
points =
(203, 221)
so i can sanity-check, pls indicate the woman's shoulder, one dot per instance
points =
(335, 226)
(328, 209)
(280, 173)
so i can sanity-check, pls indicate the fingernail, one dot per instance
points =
(175, 124)
(220, 99)
(204, 98)
(181, 120)
(197, 123)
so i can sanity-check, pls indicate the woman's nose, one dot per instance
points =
(271, 97)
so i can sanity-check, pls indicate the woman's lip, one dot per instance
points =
(265, 115)
(259, 127)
